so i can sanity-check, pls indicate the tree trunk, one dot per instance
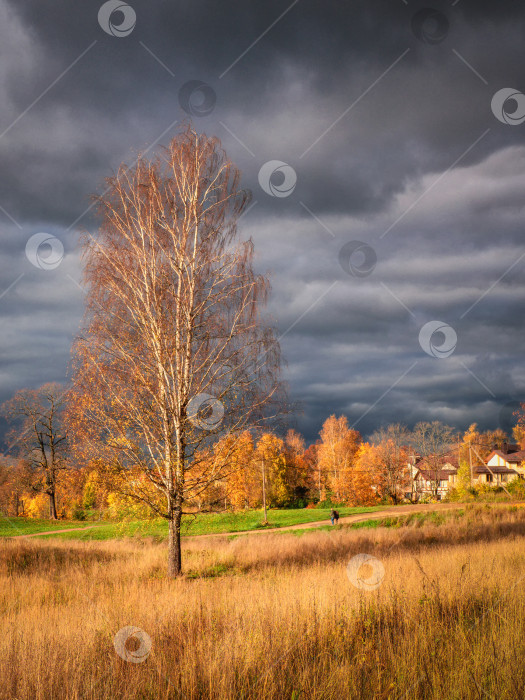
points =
(174, 553)
(52, 505)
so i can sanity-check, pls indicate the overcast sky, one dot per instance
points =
(398, 209)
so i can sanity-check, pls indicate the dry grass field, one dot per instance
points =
(273, 616)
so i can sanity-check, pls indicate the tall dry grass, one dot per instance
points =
(272, 616)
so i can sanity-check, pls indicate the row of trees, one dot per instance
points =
(49, 475)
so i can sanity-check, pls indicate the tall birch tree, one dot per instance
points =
(174, 352)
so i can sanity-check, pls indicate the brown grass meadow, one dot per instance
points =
(272, 616)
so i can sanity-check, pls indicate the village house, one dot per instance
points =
(432, 478)
(430, 482)
(504, 465)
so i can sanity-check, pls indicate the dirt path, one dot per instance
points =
(347, 520)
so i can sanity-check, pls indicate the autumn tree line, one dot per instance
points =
(44, 474)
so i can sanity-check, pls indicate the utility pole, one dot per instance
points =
(413, 471)
(265, 521)
(470, 461)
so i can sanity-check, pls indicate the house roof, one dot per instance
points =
(446, 461)
(511, 457)
(433, 475)
(494, 470)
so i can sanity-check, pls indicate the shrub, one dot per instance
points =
(517, 488)
(37, 506)
(78, 512)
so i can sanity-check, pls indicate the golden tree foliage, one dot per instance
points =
(300, 479)
(363, 484)
(336, 453)
(270, 455)
(242, 481)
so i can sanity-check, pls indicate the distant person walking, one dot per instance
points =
(334, 517)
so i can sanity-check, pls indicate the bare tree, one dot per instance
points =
(38, 435)
(174, 352)
(433, 440)
(392, 451)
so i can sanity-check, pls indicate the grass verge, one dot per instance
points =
(202, 524)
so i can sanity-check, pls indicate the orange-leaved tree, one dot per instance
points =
(241, 480)
(15, 485)
(363, 485)
(336, 452)
(298, 474)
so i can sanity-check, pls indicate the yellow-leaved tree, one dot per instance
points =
(336, 453)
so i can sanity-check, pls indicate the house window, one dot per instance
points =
(489, 477)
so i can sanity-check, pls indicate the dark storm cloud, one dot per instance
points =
(119, 96)
(371, 119)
